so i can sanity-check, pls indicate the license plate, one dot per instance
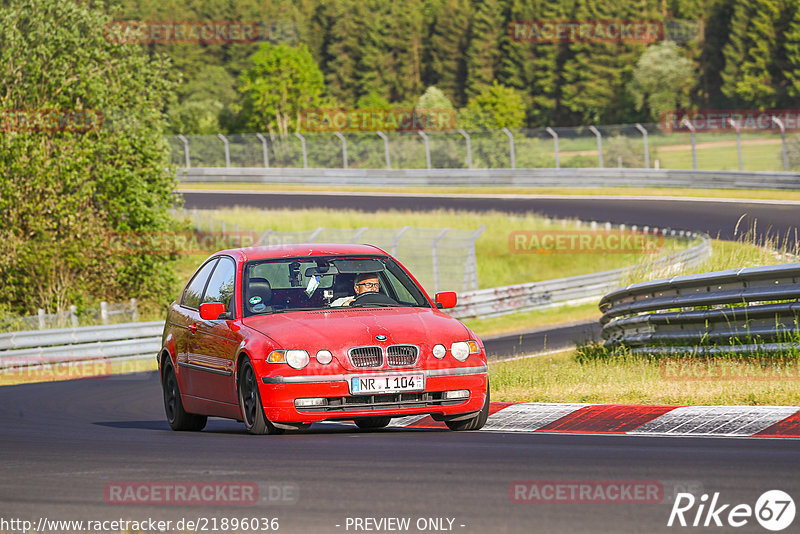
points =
(387, 383)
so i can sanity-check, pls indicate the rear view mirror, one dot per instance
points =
(446, 299)
(210, 311)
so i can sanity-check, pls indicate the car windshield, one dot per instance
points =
(323, 282)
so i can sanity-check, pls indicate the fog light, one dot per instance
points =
(457, 394)
(460, 350)
(297, 358)
(324, 357)
(305, 403)
(439, 351)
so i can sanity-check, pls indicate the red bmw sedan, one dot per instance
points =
(281, 337)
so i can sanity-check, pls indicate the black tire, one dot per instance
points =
(368, 423)
(177, 417)
(250, 403)
(473, 423)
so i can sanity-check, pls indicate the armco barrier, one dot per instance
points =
(497, 177)
(739, 310)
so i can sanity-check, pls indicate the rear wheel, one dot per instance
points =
(473, 423)
(177, 417)
(372, 422)
(250, 402)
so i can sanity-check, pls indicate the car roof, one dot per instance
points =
(299, 250)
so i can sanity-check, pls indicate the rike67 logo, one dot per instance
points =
(774, 510)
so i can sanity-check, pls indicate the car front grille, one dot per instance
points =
(366, 356)
(398, 355)
(384, 401)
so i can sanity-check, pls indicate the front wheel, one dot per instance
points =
(177, 417)
(250, 402)
(473, 423)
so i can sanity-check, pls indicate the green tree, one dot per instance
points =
(282, 82)
(662, 80)
(433, 98)
(495, 107)
(65, 191)
(446, 49)
(749, 77)
(483, 51)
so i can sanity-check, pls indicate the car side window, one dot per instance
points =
(193, 293)
(220, 287)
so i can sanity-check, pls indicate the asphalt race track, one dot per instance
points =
(716, 217)
(63, 443)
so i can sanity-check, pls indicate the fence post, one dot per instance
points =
(738, 140)
(646, 150)
(435, 258)
(396, 240)
(344, 148)
(358, 234)
(196, 220)
(599, 136)
(691, 127)
(511, 151)
(264, 147)
(104, 312)
(73, 316)
(469, 147)
(315, 234)
(227, 150)
(427, 148)
(472, 260)
(385, 148)
(784, 154)
(41, 315)
(305, 153)
(185, 150)
(263, 237)
(555, 145)
(134, 311)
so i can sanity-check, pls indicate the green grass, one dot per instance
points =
(498, 264)
(562, 378)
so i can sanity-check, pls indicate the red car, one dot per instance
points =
(281, 337)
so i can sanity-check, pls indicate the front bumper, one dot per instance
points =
(278, 394)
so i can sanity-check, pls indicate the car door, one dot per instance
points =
(211, 354)
(185, 324)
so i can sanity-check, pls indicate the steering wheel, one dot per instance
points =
(365, 299)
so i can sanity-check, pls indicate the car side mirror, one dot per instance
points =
(211, 311)
(446, 299)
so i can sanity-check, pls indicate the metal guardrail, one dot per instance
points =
(143, 340)
(745, 310)
(43, 347)
(573, 290)
(672, 178)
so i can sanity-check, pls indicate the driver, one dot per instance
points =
(364, 283)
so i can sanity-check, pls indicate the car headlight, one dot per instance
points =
(296, 359)
(324, 357)
(439, 351)
(460, 350)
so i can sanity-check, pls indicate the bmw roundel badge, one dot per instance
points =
(380, 337)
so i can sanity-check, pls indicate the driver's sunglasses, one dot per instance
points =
(370, 285)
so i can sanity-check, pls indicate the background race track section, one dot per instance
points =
(728, 421)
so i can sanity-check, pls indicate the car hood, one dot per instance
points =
(344, 328)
